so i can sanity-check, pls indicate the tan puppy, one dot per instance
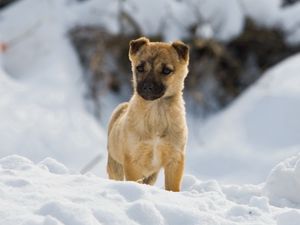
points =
(149, 132)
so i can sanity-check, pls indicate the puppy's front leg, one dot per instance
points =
(173, 173)
(132, 173)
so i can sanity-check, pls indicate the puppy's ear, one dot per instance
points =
(135, 45)
(182, 50)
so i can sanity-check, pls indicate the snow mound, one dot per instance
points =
(36, 196)
(54, 166)
(257, 131)
(283, 183)
(42, 90)
(15, 162)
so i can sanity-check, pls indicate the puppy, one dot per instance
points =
(149, 132)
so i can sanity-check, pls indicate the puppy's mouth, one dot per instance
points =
(150, 90)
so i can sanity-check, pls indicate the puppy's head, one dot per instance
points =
(158, 68)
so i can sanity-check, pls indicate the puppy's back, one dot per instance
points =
(117, 113)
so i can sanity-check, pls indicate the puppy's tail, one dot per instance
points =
(88, 167)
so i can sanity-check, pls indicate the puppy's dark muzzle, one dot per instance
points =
(150, 90)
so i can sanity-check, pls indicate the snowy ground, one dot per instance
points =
(44, 115)
(47, 194)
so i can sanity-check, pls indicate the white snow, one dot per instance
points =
(42, 89)
(47, 135)
(32, 195)
(283, 183)
(222, 20)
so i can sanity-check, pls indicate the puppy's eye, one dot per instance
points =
(140, 68)
(166, 71)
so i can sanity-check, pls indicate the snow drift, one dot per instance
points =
(47, 193)
(258, 130)
(42, 92)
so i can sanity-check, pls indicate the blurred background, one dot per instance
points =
(64, 67)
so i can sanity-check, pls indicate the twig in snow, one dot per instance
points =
(23, 35)
(91, 164)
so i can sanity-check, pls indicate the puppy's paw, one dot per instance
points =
(141, 180)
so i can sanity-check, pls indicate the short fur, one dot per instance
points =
(149, 132)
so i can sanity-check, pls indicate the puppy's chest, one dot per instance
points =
(150, 152)
(156, 144)
(153, 123)
(153, 134)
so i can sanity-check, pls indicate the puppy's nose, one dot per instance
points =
(148, 87)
